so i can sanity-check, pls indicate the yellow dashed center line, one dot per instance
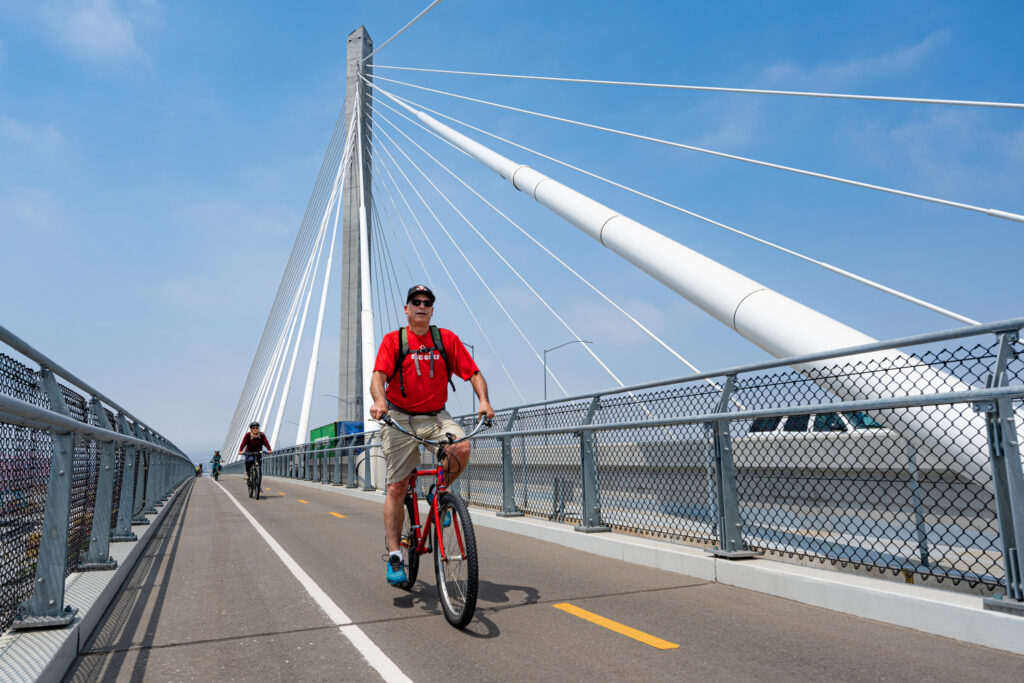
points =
(338, 516)
(627, 631)
(279, 493)
(302, 501)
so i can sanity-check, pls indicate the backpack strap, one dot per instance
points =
(436, 334)
(403, 351)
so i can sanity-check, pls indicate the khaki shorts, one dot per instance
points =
(401, 452)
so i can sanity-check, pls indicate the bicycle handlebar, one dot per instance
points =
(481, 423)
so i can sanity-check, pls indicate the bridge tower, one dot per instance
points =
(352, 387)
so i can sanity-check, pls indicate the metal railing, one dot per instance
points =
(76, 471)
(921, 478)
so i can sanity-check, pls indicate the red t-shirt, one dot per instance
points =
(423, 394)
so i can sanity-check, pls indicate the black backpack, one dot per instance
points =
(403, 351)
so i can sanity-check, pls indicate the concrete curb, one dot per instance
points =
(47, 654)
(930, 610)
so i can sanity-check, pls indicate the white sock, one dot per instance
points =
(396, 553)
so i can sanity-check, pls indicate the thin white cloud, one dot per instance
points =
(98, 30)
(40, 138)
(831, 75)
(959, 152)
(29, 209)
(736, 122)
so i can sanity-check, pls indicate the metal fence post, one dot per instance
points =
(143, 486)
(123, 530)
(46, 606)
(508, 500)
(141, 481)
(920, 527)
(157, 468)
(152, 466)
(590, 521)
(1007, 482)
(730, 524)
(368, 469)
(98, 554)
(351, 455)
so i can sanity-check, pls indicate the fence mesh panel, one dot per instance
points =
(24, 472)
(895, 490)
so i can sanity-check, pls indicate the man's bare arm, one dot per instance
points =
(379, 406)
(480, 387)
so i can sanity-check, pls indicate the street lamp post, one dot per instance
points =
(574, 341)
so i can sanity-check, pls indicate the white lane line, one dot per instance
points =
(366, 647)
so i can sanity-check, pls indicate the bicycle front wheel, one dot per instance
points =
(455, 561)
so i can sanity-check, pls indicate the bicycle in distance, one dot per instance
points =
(254, 478)
(453, 544)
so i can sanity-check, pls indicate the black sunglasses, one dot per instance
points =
(421, 302)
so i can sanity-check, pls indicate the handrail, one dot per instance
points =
(16, 411)
(913, 340)
(27, 350)
(920, 401)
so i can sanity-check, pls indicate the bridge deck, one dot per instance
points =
(211, 600)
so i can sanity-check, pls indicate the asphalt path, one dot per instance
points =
(213, 600)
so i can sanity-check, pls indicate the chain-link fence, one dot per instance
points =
(67, 483)
(877, 461)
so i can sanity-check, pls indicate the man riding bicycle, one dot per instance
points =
(416, 364)
(253, 444)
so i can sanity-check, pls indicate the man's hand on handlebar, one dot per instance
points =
(485, 411)
(377, 409)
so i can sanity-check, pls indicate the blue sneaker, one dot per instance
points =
(430, 501)
(396, 572)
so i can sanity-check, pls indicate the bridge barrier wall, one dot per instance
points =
(75, 470)
(765, 459)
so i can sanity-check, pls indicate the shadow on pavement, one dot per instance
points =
(106, 652)
(492, 597)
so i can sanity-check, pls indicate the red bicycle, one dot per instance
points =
(453, 543)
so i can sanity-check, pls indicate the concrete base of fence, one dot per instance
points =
(930, 610)
(46, 655)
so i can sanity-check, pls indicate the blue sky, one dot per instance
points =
(156, 159)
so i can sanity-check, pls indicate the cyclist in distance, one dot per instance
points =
(410, 381)
(252, 446)
(215, 462)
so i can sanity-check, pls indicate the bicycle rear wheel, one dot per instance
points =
(457, 580)
(410, 553)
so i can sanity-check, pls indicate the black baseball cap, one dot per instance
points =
(419, 289)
